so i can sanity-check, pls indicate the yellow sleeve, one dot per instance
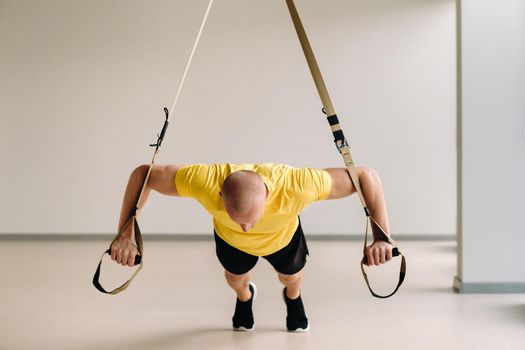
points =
(314, 184)
(191, 179)
(325, 184)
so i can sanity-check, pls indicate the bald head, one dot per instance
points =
(244, 195)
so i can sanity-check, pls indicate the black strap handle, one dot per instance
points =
(138, 260)
(402, 273)
(382, 236)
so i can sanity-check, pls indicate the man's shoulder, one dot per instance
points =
(224, 169)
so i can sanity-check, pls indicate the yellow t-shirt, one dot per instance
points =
(290, 191)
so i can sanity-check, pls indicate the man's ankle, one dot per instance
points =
(292, 294)
(245, 295)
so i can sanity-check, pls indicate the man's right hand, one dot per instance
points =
(124, 251)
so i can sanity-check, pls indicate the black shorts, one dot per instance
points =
(288, 260)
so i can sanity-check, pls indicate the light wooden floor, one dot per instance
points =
(180, 301)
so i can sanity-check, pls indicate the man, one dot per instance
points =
(255, 209)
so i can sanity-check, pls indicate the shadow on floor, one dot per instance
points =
(446, 247)
(432, 290)
(200, 338)
(514, 313)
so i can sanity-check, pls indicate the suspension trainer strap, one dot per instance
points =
(342, 145)
(157, 145)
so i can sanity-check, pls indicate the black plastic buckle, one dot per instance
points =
(341, 144)
(160, 137)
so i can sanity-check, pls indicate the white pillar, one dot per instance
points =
(491, 146)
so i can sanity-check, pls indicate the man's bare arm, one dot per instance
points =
(342, 186)
(162, 180)
(379, 252)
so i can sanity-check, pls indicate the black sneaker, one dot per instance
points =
(296, 320)
(243, 317)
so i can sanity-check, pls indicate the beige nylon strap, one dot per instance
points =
(175, 100)
(138, 235)
(341, 143)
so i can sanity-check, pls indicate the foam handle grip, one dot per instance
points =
(138, 258)
(395, 252)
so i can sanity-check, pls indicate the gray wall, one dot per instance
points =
(492, 146)
(82, 84)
